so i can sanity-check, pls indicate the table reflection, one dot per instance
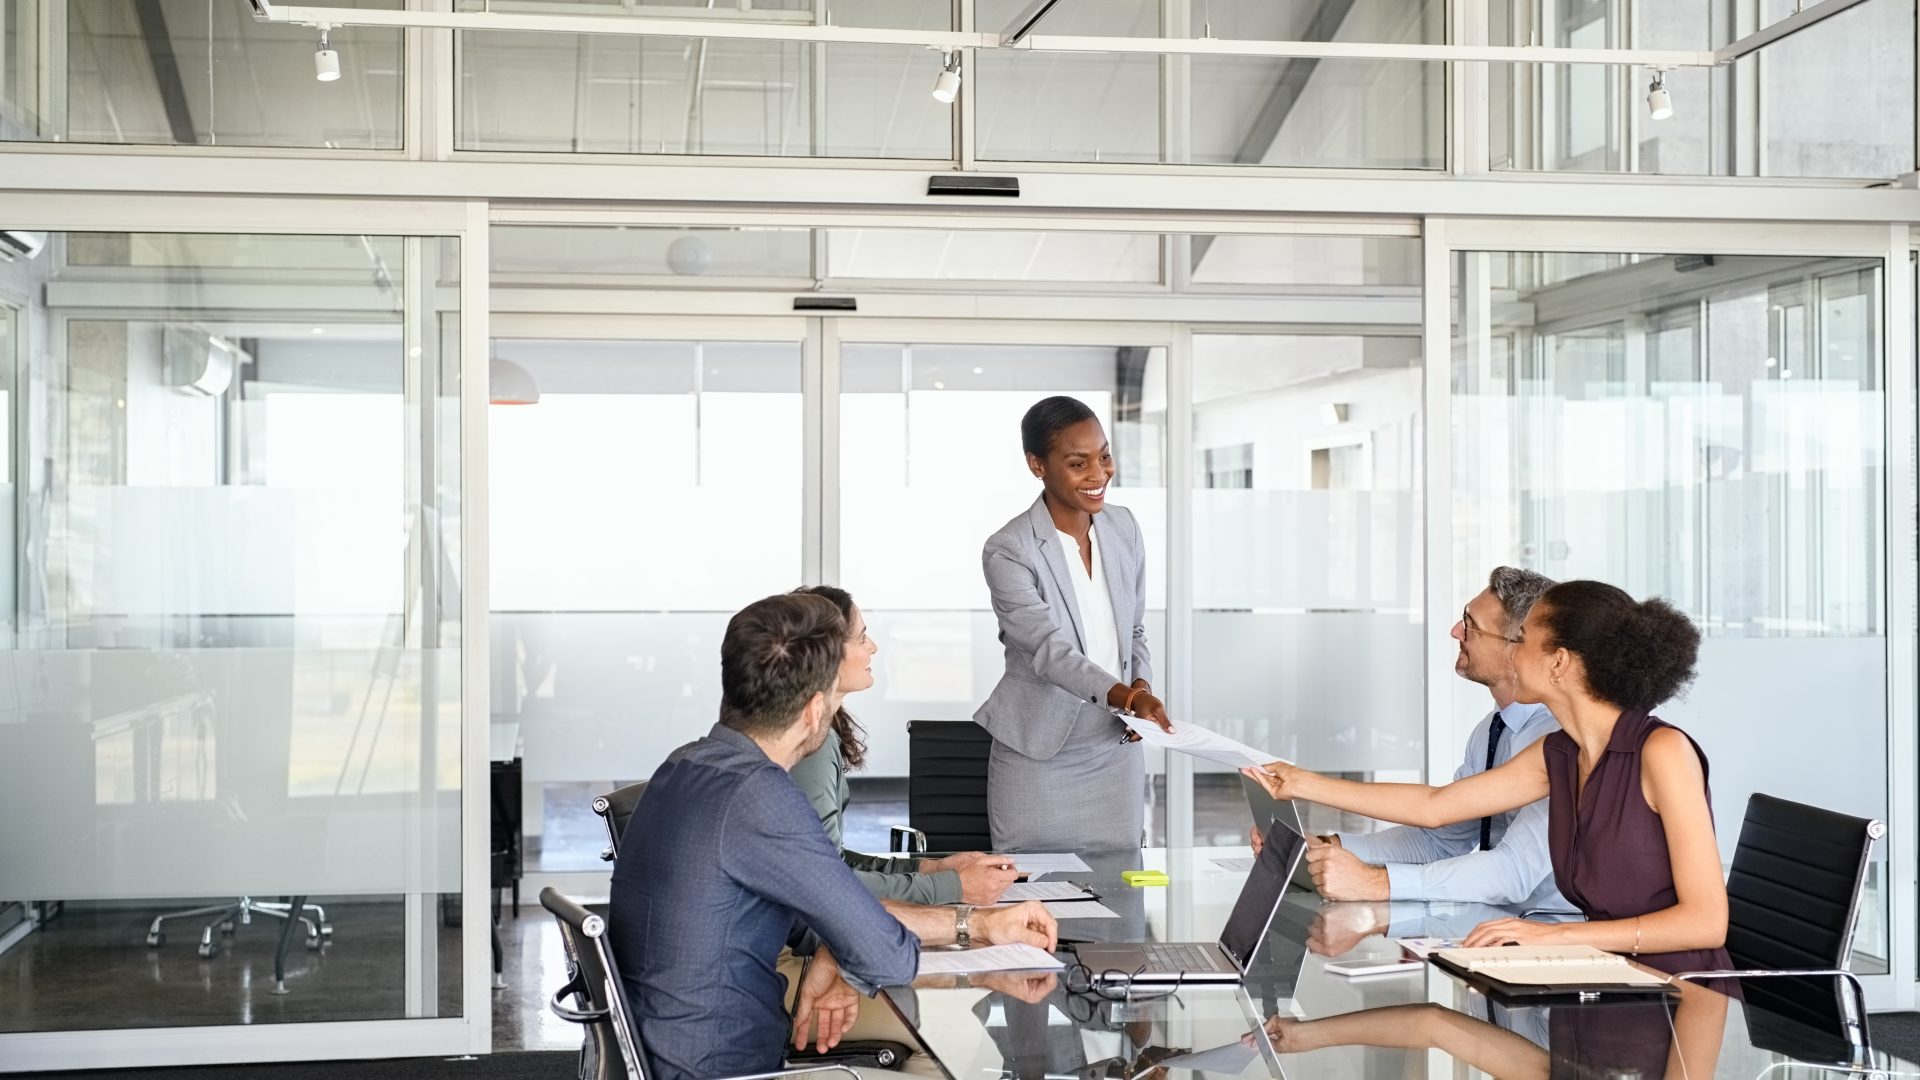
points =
(1293, 1018)
(1678, 1037)
(1031, 1026)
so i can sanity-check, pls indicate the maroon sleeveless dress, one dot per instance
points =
(1610, 851)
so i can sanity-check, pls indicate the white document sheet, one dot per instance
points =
(1042, 890)
(1238, 866)
(1422, 946)
(1034, 864)
(1229, 1060)
(991, 958)
(1190, 738)
(1079, 909)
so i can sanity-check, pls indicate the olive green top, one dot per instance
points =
(822, 778)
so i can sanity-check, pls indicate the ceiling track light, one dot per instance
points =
(326, 62)
(1659, 102)
(946, 86)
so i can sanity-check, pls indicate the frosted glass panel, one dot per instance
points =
(210, 772)
(1307, 535)
(653, 492)
(926, 425)
(234, 673)
(1715, 435)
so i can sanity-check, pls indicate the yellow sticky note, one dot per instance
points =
(1144, 877)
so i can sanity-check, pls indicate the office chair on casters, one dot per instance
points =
(616, 809)
(1793, 900)
(946, 788)
(613, 1050)
(241, 912)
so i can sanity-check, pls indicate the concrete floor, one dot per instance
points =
(90, 969)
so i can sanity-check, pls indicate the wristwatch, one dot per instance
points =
(962, 916)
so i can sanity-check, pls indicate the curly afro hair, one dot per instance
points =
(1638, 654)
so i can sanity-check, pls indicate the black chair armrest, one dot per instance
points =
(567, 1012)
(848, 1069)
(1857, 1024)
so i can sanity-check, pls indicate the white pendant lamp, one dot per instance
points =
(509, 384)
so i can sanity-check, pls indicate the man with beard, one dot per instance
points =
(725, 862)
(1501, 859)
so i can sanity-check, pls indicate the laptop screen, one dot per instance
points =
(1260, 896)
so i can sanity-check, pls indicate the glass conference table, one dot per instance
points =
(1423, 1023)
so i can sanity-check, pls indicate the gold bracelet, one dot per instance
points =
(1636, 935)
(1128, 707)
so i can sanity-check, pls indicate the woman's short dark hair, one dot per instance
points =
(777, 653)
(853, 737)
(1638, 653)
(1047, 419)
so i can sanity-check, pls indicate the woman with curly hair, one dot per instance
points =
(1630, 827)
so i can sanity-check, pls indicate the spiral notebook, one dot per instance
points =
(1532, 970)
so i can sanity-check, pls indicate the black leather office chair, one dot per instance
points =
(594, 998)
(616, 809)
(1793, 899)
(946, 788)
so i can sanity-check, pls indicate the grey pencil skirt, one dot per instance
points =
(1089, 796)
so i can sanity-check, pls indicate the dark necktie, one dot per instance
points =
(1498, 728)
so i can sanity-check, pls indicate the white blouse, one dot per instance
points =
(1096, 604)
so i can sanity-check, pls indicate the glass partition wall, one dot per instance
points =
(234, 685)
(606, 659)
(1709, 428)
(1712, 430)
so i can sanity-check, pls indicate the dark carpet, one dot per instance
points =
(1896, 1033)
(541, 1065)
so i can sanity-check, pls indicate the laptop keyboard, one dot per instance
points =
(1177, 958)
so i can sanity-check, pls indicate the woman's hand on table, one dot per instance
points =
(1513, 932)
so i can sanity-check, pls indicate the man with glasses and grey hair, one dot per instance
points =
(1501, 859)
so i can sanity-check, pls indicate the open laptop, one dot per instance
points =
(1224, 961)
(1267, 810)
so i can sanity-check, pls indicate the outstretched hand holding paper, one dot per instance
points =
(1191, 738)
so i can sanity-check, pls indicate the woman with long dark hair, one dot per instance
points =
(970, 877)
(1069, 580)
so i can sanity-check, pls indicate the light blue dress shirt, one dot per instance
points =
(1446, 863)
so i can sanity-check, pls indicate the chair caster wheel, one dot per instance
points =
(326, 929)
(227, 928)
(209, 950)
(154, 941)
(313, 944)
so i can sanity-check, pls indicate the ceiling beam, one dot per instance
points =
(1023, 23)
(166, 70)
(1289, 85)
(1044, 191)
(1792, 24)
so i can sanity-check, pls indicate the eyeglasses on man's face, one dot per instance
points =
(1466, 624)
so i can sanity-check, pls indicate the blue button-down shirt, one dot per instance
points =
(1446, 863)
(723, 863)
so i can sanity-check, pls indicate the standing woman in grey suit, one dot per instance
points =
(1068, 579)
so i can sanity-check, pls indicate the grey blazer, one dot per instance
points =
(1049, 677)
